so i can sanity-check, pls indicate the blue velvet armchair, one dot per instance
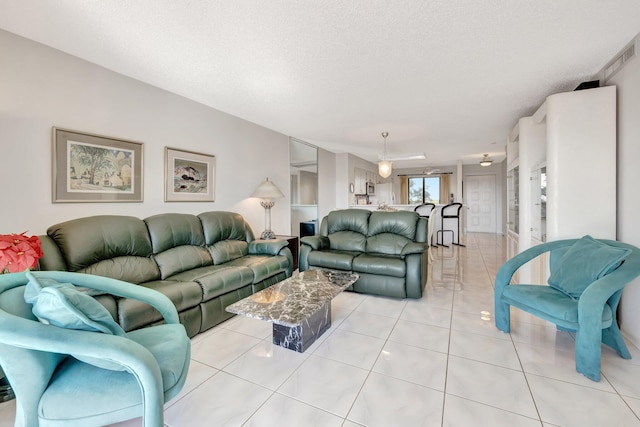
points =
(585, 285)
(122, 376)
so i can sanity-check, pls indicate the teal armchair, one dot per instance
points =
(123, 376)
(585, 286)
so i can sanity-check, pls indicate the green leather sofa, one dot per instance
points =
(201, 263)
(387, 249)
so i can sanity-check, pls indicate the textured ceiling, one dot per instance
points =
(447, 77)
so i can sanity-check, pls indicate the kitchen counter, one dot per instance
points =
(375, 207)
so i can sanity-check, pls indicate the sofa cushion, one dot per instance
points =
(223, 280)
(381, 265)
(348, 241)
(227, 250)
(548, 303)
(85, 241)
(402, 223)
(62, 305)
(132, 269)
(356, 220)
(181, 258)
(135, 314)
(586, 261)
(121, 387)
(219, 226)
(387, 243)
(263, 266)
(106, 245)
(338, 260)
(170, 230)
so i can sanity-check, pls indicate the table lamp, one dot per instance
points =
(266, 191)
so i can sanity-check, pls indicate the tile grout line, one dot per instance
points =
(446, 371)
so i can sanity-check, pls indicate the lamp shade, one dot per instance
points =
(267, 190)
(384, 168)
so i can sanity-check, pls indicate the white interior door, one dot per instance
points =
(480, 198)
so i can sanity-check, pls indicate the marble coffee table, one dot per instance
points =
(299, 307)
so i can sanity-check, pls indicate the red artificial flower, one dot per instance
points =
(19, 252)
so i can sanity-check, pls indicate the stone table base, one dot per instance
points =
(299, 338)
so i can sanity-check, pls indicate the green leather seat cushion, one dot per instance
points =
(263, 266)
(224, 279)
(548, 303)
(334, 259)
(380, 265)
(112, 390)
(135, 314)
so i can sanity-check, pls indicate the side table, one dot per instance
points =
(294, 247)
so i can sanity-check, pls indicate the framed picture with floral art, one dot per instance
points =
(189, 176)
(95, 168)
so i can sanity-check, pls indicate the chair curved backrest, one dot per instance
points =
(452, 210)
(425, 209)
(143, 369)
(430, 229)
(591, 314)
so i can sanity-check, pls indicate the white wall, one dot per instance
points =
(326, 183)
(627, 81)
(41, 87)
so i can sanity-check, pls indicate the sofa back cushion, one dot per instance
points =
(178, 243)
(226, 234)
(347, 229)
(106, 245)
(389, 232)
(356, 220)
(170, 230)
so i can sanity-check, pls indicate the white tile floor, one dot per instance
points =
(437, 361)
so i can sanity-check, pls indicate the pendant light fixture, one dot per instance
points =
(486, 161)
(384, 166)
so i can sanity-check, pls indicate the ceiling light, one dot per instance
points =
(384, 166)
(486, 161)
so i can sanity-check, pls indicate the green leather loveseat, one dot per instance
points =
(387, 249)
(201, 263)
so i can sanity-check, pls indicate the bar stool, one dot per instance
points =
(430, 228)
(425, 209)
(450, 211)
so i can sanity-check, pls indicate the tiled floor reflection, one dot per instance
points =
(437, 361)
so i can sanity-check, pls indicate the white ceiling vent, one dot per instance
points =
(622, 58)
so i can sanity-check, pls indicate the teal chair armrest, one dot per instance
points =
(505, 275)
(38, 336)
(316, 243)
(118, 288)
(266, 247)
(121, 350)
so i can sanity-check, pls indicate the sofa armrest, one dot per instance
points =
(266, 247)
(414, 248)
(315, 242)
